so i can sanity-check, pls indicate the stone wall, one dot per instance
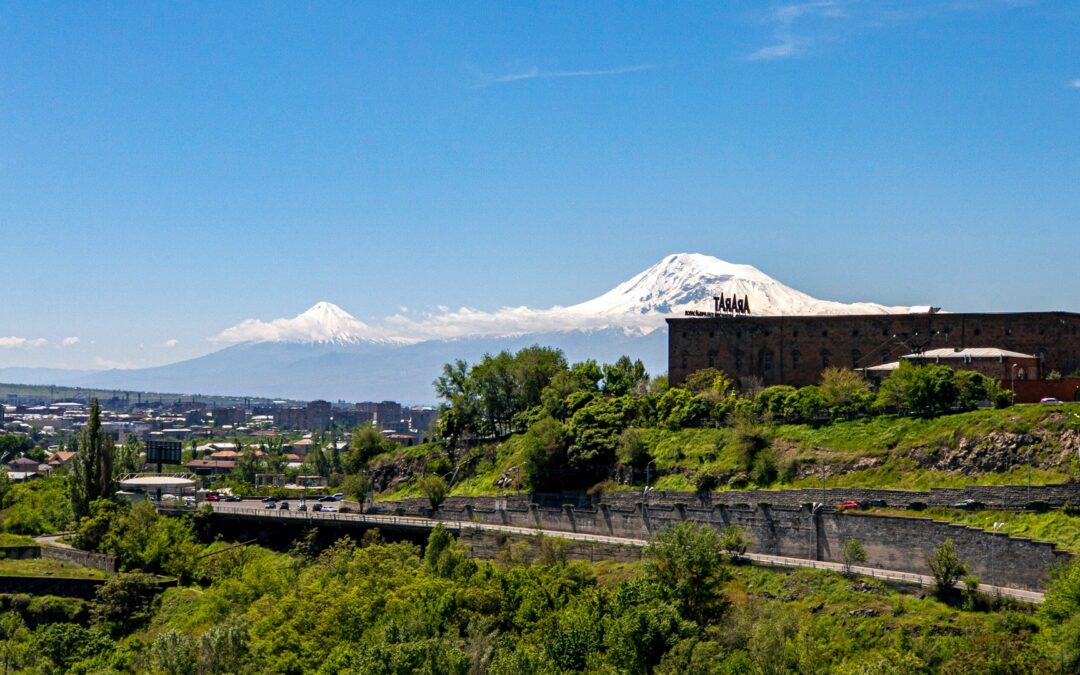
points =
(98, 561)
(896, 543)
(69, 588)
(490, 545)
(1004, 497)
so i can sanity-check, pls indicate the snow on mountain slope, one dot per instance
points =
(324, 323)
(679, 282)
(688, 281)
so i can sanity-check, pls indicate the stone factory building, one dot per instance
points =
(795, 349)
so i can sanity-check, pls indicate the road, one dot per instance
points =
(248, 510)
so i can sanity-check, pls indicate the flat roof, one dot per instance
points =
(157, 482)
(973, 352)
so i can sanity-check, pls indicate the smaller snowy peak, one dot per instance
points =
(324, 323)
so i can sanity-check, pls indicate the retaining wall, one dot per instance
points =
(490, 545)
(895, 543)
(98, 561)
(1006, 497)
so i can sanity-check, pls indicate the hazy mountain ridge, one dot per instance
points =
(325, 352)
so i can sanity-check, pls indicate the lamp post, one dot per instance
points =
(996, 527)
(645, 492)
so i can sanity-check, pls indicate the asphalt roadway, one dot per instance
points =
(256, 510)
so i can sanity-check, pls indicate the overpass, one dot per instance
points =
(463, 528)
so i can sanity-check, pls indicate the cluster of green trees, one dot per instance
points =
(577, 422)
(387, 608)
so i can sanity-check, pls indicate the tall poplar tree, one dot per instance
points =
(92, 465)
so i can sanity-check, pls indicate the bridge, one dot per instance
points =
(420, 526)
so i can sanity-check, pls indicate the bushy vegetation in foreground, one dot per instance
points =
(377, 607)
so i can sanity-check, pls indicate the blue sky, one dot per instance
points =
(168, 170)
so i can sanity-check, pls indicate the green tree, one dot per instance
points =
(845, 391)
(356, 486)
(365, 444)
(128, 456)
(633, 450)
(92, 472)
(124, 602)
(708, 380)
(1061, 610)
(544, 448)
(687, 563)
(946, 567)
(434, 488)
(624, 377)
(928, 390)
(852, 554)
(734, 540)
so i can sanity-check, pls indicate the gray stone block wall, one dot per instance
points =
(896, 543)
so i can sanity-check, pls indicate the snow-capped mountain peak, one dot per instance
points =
(323, 323)
(689, 281)
(674, 285)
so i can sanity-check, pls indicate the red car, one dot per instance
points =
(849, 504)
(211, 498)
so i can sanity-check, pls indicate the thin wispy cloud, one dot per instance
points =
(797, 28)
(12, 342)
(536, 73)
(70, 341)
(170, 343)
(1075, 84)
(788, 41)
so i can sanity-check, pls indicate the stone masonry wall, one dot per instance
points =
(895, 543)
(1005, 497)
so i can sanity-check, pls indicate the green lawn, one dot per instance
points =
(45, 567)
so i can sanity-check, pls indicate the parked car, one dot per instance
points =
(316, 507)
(270, 505)
(269, 499)
(189, 500)
(1048, 399)
(234, 498)
(284, 506)
(327, 498)
(338, 496)
(968, 504)
(849, 504)
(874, 503)
(211, 498)
(328, 509)
(302, 507)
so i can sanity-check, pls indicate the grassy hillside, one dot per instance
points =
(982, 447)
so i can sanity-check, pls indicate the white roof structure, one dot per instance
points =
(970, 352)
(157, 482)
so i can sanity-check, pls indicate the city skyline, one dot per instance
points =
(167, 173)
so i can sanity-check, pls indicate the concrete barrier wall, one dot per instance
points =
(896, 543)
(993, 496)
(70, 588)
(20, 552)
(98, 561)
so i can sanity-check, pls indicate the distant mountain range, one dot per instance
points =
(327, 353)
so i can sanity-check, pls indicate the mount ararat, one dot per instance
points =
(327, 353)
